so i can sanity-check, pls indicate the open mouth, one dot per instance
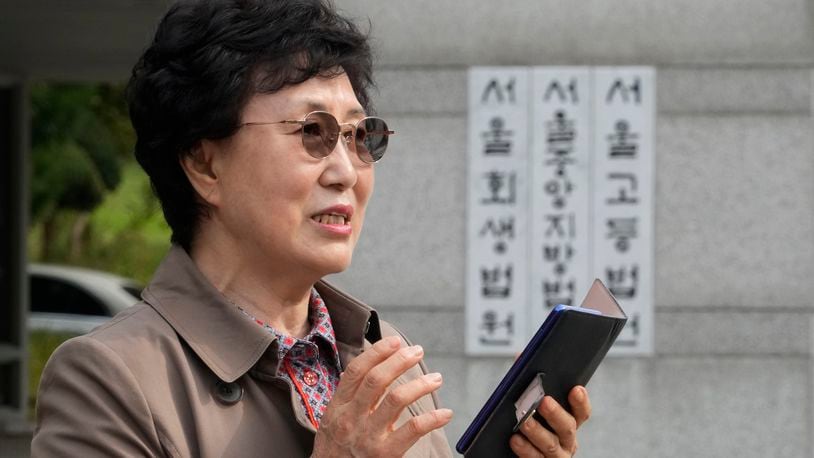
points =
(331, 218)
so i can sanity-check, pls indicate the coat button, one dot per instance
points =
(310, 377)
(228, 393)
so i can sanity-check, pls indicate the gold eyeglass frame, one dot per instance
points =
(350, 127)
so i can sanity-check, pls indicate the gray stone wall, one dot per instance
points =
(734, 210)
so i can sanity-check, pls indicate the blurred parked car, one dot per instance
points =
(76, 300)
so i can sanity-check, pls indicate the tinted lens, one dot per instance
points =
(371, 139)
(319, 134)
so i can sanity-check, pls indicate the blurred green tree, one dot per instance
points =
(81, 137)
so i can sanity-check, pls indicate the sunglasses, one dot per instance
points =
(320, 132)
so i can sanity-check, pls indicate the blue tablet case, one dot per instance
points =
(565, 352)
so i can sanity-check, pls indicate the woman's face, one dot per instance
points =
(275, 201)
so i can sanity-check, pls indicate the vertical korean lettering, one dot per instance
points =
(497, 202)
(624, 112)
(560, 189)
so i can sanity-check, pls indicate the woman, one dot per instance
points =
(251, 123)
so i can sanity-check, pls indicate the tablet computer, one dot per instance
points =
(564, 352)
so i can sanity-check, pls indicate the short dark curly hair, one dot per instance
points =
(207, 59)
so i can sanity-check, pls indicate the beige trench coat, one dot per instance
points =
(184, 373)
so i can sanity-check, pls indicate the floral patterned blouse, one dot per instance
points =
(310, 364)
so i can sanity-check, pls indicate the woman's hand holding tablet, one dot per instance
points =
(542, 396)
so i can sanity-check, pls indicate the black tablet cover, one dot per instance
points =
(566, 351)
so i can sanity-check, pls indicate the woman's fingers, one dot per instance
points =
(359, 368)
(536, 440)
(580, 404)
(548, 443)
(378, 378)
(562, 422)
(523, 448)
(351, 424)
(400, 397)
(407, 434)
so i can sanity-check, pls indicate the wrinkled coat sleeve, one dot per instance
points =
(89, 404)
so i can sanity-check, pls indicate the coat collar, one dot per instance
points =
(227, 342)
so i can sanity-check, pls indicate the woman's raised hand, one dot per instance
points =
(359, 420)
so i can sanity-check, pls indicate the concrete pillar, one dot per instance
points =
(14, 145)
